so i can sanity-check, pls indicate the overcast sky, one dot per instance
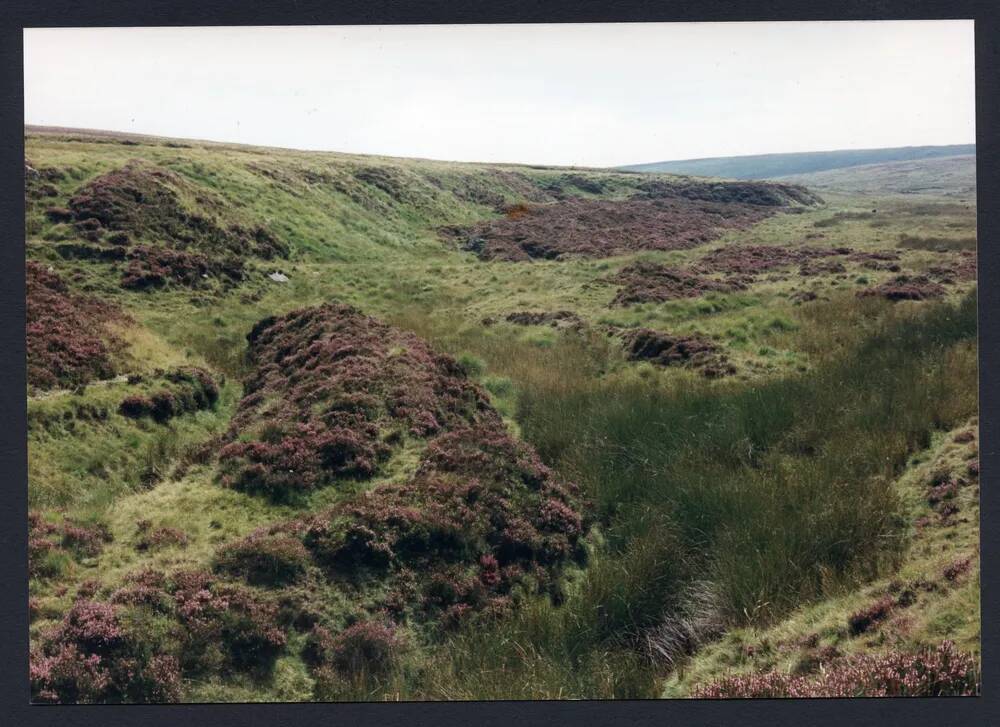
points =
(596, 95)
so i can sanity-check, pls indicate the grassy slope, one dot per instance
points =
(946, 176)
(944, 608)
(766, 166)
(360, 245)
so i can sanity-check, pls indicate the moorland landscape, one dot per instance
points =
(318, 426)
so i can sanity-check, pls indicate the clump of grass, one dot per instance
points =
(784, 485)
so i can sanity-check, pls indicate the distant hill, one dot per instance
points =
(766, 166)
(947, 176)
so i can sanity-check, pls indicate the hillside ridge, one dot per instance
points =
(767, 166)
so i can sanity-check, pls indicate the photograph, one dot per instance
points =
(496, 362)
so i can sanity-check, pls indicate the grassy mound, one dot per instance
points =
(330, 392)
(141, 201)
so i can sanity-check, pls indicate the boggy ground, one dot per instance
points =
(370, 497)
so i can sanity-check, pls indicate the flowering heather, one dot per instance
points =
(68, 342)
(757, 259)
(84, 541)
(329, 385)
(67, 538)
(760, 194)
(960, 270)
(876, 260)
(92, 657)
(600, 228)
(556, 319)
(106, 652)
(813, 268)
(144, 201)
(939, 672)
(330, 388)
(366, 647)
(151, 538)
(154, 267)
(955, 570)
(481, 514)
(648, 282)
(189, 389)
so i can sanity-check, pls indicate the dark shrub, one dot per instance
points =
(228, 617)
(367, 647)
(144, 201)
(135, 407)
(861, 621)
(164, 406)
(154, 267)
(58, 214)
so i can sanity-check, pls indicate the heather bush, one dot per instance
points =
(51, 546)
(154, 267)
(367, 647)
(938, 672)
(189, 389)
(150, 538)
(144, 201)
(863, 620)
(225, 627)
(84, 541)
(135, 407)
(67, 339)
(96, 656)
(354, 380)
(667, 220)
(155, 629)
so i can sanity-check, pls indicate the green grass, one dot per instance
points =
(743, 507)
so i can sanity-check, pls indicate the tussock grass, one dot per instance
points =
(721, 506)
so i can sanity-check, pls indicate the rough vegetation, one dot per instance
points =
(666, 350)
(647, 282)
(69, 342)
(664, 218)
(355, 384)
(941, 672)
(284, 444)
(143, 201)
